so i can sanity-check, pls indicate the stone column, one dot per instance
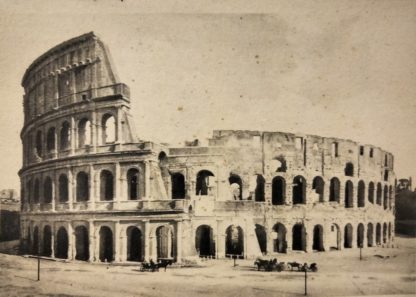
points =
(289, 191)
(53, 202)
(220, 246)
(117, 242)
(269, 230)
(74, 138)
(309, 237)
(354, 236)
(92, 236)
(92, 185)
(71, 242)
(119, 134)
(147, 168)
(365, 241)
(118, 191)
(289, 237)
(53, 240)
(71, 186)
(146, 241)
(94, 131)
(326, 190)
(179, 241)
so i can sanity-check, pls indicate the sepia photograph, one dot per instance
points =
(207, 148)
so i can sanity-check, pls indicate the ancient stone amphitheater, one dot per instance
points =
(92, 191)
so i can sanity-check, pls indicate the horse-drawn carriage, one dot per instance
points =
(272, 264)
(152, 266)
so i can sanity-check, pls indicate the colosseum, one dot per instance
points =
(93, 191)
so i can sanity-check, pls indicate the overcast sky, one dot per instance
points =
(330, 68)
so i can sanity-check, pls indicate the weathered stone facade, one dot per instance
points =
(92, 191)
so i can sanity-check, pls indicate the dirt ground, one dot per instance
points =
(383, 271)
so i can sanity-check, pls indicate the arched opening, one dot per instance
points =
(349, 194)
(106, 186)
(370, 235)
(164, 237)
(385, 196)
(360, 235)
(35, 243)
(379, 190)
(47, 241)
(371, 192)
(334, 237)
(50, 139)
(39, 143)
(384, 233)
(65, 136)
(178, 185)
(134, 244)
(108, 132)
(236, 186)
(106, 244)
(81, 243)
(82, 187)
(47, 190)
(349, 169)
(36, 191)
(318, 185)
(204, 182)
(361, 194)
(259, 191)
(204, 241)
(133, 176)
(261, 238)
(318, 238)
(299, 190)
(348, 236)
(389, 235)
(62, 244)
(299, 238)
(63, 188)
(278, 190)
(84, 133)
(280, 243)
(334, 190)
(234, 243)
(378, 234)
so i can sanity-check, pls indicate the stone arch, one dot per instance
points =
(81, 243)
(106, 185)
(259, 191)
(133, 184)
(234, 243)
(318, 185)
(236, 185)
(62, 243)
(361, 194)
(334, 190)
(164, 242)
(280, 243)
(318, 238)
(378, 234)
(65, 136)
(204, 241)
(278, 190)
(299, 237)
(50, 139)
(106, 244)
(299, 190)
(63, 188)
(371, 192)
(334, 237)
(134, 244)
(204, 182)
(47, 241)
(82, 186)
(349, 194)
(379, 193)
(84, 132)
(47, 190)
(370, 235)
(261, 238)
(178, 185)
(348, 233)
(360, 235)
(108, 132)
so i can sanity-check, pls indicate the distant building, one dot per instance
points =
(9, 215)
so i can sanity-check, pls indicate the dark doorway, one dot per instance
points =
(298, 238)
(259, 191)
(133, 183)
(236, 185)
(280, 244)
(278, 190)
(349, 195)
(106, 244)
(318, 185)
(318, 238)
(178, 186)
(348, 236)
(35, 244)
(81, 243)
(299, 190)
(334, 189)
(204, 241)
(106, 185)
(203, 182)
(47, 241)
(361, 194)
(370, 235)
(134, 248)
(164, 239)
(234, 244)
(360, 235)
(378, 234)
(62, 244)
(261, 238)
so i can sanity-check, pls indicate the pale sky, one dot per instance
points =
(330, 68)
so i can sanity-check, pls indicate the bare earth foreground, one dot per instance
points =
(340, 274)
